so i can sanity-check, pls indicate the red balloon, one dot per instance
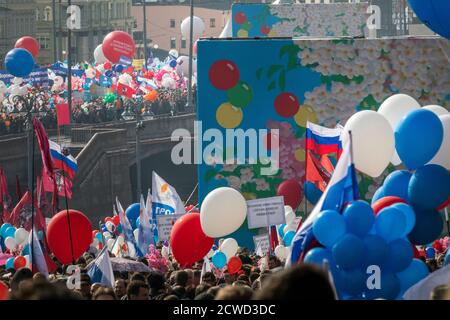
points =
(286, 104)
(386, 202)
(292, 191)
(188, 241)
(19, 262)
(30, 44)
(234, 265)
(117, 44)
(59, 236)
(265, 29)
(224, 74)
(94, 233)
(116, 220)
(3, 291)
(107, 65)
(108, 219)
(240, 18)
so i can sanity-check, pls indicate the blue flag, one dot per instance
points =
(127, 230)
(100, 270)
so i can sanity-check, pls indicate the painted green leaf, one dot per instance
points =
(210, 174)
(282, 80)
(274, 68)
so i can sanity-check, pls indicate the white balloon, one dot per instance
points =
(281, 252)
(3, 88)
(98, 55)
(183, 65)
(168, 83)
(394, 109)
(10, 243)
(165, 252)
(136, 234)
(373, 141)
(110, 226)
(222, 212)
(198, 28)
(229, 247)
(173, 53)
(125, 79)
(17, 81)
(289, 214)
(21, 236)
(437, 110)
(442, 157)
(110, 243)
(27, 258)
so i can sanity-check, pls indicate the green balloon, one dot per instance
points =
(247, 25)
(241, 95)
(109, 98)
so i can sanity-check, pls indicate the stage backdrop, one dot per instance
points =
(298, 20)
(331, 79)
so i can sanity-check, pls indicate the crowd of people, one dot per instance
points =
(252, 282)
(97, 110)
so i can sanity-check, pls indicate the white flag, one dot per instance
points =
(165, 198)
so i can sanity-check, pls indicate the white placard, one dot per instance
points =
(262, 244)
(265, 212)
(165, 223)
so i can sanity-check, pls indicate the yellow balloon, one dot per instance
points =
(229, 117)
(305, 113)
(299, 155)
(272, 34)
(242, 33)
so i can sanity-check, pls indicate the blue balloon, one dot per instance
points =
(10, 263)
(133, 212)
(429, 187)
(396, 184)
(19, 62)
(390, 224)
(353, 281)
(389, 288)
(173, 63)
(26, 250)
(359, 218)
(288, 237)
(3, 229)
(103, 227)
(98, 236)
(281, 230)
(219, 259)
(329, 227)
(378, 195)
(430, 253)
(434, 14)
(317, 256)
(428, 227)
(416, 271)
(418, 138)
(399, 257)
(348, 252)
(10, 232)
(119, 68)
(375, 250)
(312, 193)
(409, 214)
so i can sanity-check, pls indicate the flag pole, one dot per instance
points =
(350, 136)
(32, 200)
(306, 172)
(67, 207)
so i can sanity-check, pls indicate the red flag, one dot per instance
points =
(21, 215)
(63, 184)
(125, 90)
(43, 146)
(62, 114)
(273, 238)
(41, 205)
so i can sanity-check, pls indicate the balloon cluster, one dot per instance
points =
(20, 61)
(286, 232)
(16, 242)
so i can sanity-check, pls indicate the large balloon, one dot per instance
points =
(373, 142)
(132, 213)
(416, 271)
(19, 62)
(317, 256)
(418, 138)
(183, 65)
(429, 187)
(377, 195)
(437, 110)
(117, 44)
(410, 216)
(428, 227)
(359, 218)
(353, 280)
(348, 252)
(291, 191)
(197, 30)
(10, 243)
(188, 241)
(98, 55)
(394, 109)
(386, 202)
(375, 250)
(30, 44)
(229, 247)
(433, 13)
(21, 235)
(69, 244)
(396, 184)
(19, 262)
(222, 212)
(329, 227)
(442, 157)
(390, 224)
(399, 257)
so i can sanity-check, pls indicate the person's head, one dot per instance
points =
(243, 278)
(439, 292)
(234, 293)
(22, 274)
(253, 276)
(197, 275)
(274, 262)
(156, 281)
(85, 286)
(103, 293)
(137, 290)
(30, 290)
(204, 296)
(39, 278)
(240, 283)
(95, 287)
(213, 290)
(171, 297)
(138, 277)
(302, 282)
(179, 291)
(201, 288)
(181, 278)
(120, 288)
(190, 274)
(229, 278)
(209, 278)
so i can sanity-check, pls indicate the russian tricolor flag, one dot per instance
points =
(60, 161)
(322, 140)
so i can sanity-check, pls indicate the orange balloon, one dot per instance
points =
(3, 291)
(151, 96)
